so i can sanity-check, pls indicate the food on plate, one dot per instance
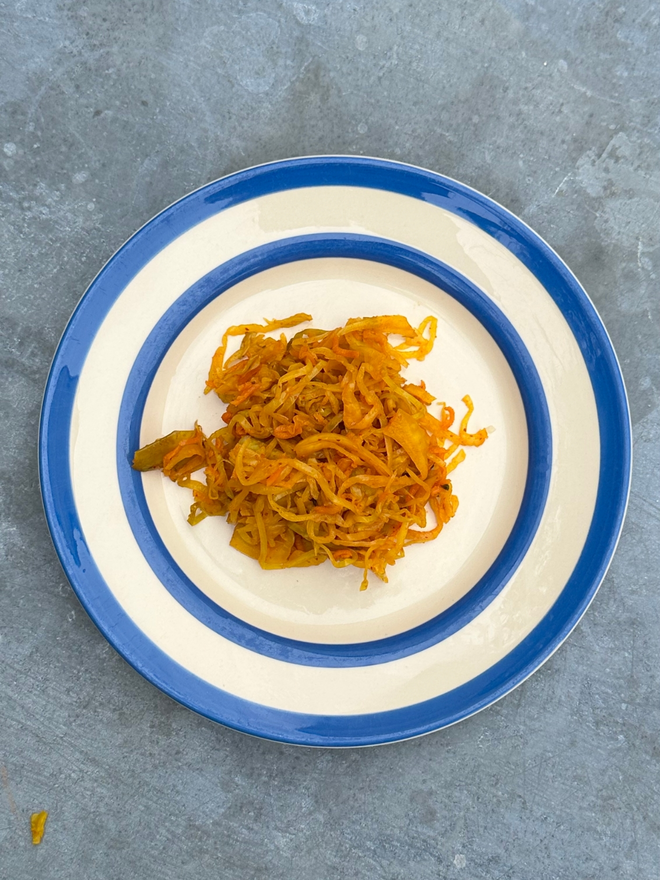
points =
(327, 452)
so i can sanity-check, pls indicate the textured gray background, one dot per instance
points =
(110, 111)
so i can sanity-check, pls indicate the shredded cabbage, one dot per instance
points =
(327, 452)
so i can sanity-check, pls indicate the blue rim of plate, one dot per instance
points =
(309, 247)
(337, 730)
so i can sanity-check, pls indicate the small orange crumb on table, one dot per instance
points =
(37, 826)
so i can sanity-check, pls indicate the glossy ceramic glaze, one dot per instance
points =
(304, 656)
(326, 607)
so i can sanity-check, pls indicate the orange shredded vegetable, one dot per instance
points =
(326, 451)
(38, 826)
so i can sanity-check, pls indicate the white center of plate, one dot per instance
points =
(323, 604)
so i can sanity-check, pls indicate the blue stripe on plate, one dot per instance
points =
(611, 501)
(358, 247)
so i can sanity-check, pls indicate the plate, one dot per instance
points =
(303, 656)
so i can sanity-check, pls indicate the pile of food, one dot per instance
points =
(327, 452)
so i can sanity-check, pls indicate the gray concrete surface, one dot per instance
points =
(110, 111)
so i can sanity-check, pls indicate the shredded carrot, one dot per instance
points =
(327, 452)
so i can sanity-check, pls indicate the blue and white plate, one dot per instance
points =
(302, 655)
